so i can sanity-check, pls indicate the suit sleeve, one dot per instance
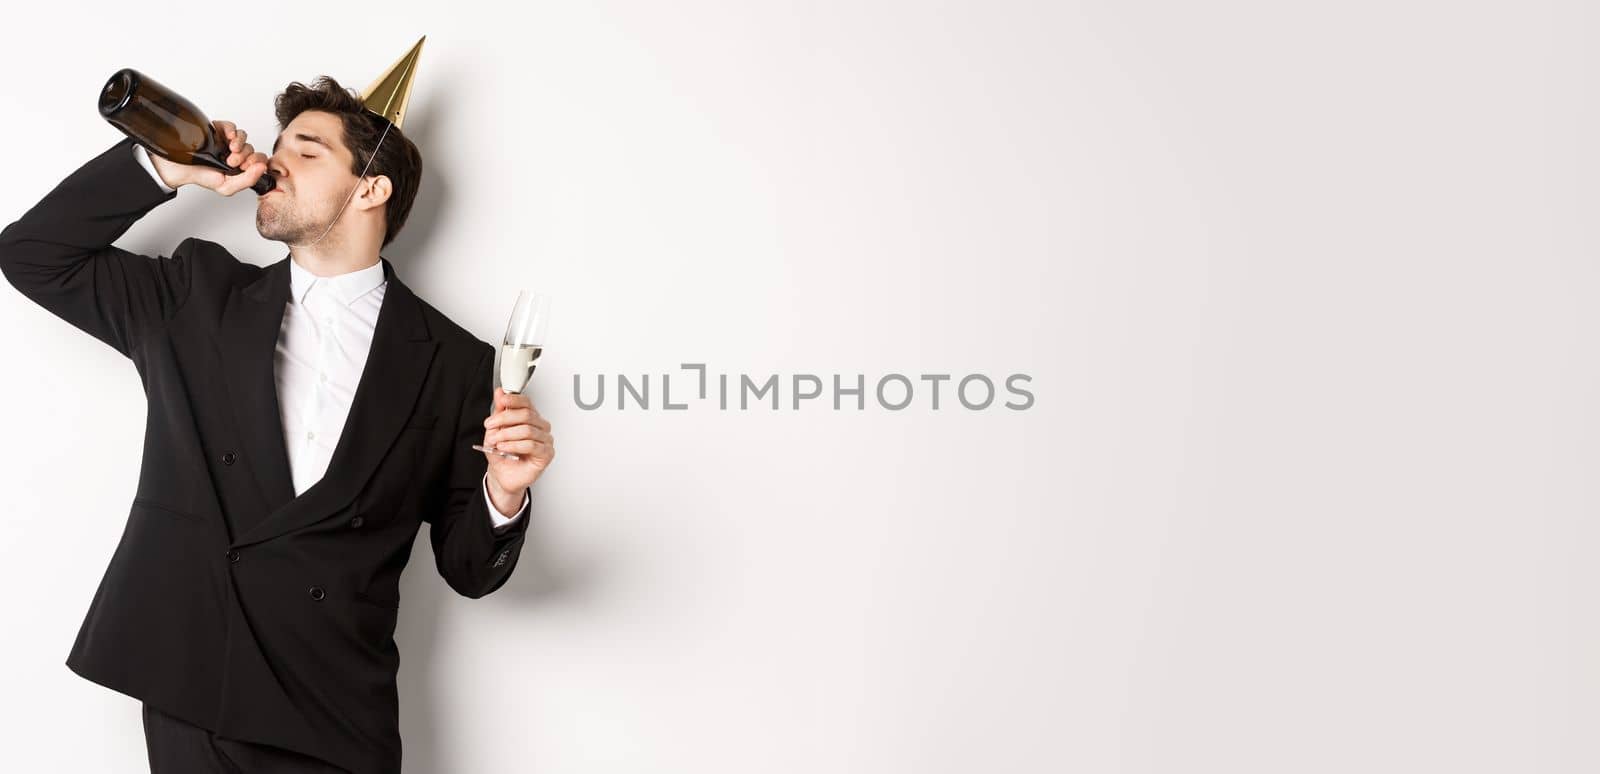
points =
(59, 253)
(473, 556)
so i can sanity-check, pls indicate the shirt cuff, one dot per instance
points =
(499, 519)
(143, 156)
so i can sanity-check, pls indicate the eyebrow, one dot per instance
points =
(305, 137)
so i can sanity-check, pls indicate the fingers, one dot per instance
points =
(239, 148)
(517, 416)
(503, 399)
(241, 155)
(543, 446)
(513, 408)
(527, 416)
(518, 432)
(531, 448)
(232, 184)
(517, 427)
(241, 151)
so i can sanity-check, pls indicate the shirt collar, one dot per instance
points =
(346, 287)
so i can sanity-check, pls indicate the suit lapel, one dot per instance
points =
(396, 366)
(247, 338)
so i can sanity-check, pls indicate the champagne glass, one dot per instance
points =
(519, 351)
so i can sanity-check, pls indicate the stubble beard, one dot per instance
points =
(291, 226)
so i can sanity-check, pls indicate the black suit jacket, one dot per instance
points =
(230, 602)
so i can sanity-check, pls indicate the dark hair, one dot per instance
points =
(397, 157)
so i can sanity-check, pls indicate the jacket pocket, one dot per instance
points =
(380, 600)
(143, 502)
(415, 435)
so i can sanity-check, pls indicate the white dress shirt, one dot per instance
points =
(321, 352)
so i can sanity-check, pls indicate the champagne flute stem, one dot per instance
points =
(481, 447)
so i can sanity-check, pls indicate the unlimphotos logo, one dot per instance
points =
(894, 392)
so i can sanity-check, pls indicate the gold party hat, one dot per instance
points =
(388, 95)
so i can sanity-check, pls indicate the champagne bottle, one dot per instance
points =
(167, 124)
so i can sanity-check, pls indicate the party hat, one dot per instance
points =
(388, 95)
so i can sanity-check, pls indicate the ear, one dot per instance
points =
(375, 192)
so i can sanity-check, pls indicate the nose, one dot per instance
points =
(277, 170)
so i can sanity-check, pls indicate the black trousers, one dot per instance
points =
(179, 747)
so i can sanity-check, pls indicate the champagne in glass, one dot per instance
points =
(517, 362)
(520, 349)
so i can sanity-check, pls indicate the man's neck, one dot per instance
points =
(328, 263)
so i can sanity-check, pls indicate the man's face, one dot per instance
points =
(314, 179)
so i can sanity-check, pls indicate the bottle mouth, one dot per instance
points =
(118, 91)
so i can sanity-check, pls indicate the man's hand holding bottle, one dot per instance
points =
(240, 154)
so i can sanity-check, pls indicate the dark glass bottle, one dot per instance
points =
(167, 124)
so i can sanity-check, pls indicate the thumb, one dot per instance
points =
(232, 184)
(208, 178)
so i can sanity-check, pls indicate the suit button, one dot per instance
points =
(317, 593)
(355, 522)
(233, 556)
(229, 457)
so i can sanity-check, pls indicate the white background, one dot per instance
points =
(1305, 290)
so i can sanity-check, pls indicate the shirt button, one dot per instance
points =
(317, 593)
(356, 522)
(310, 436)
(233, 556)
(324, 378)
(229, 457)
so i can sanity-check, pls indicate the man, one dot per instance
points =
(304, 420)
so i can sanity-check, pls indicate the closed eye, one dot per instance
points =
(307, 156)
